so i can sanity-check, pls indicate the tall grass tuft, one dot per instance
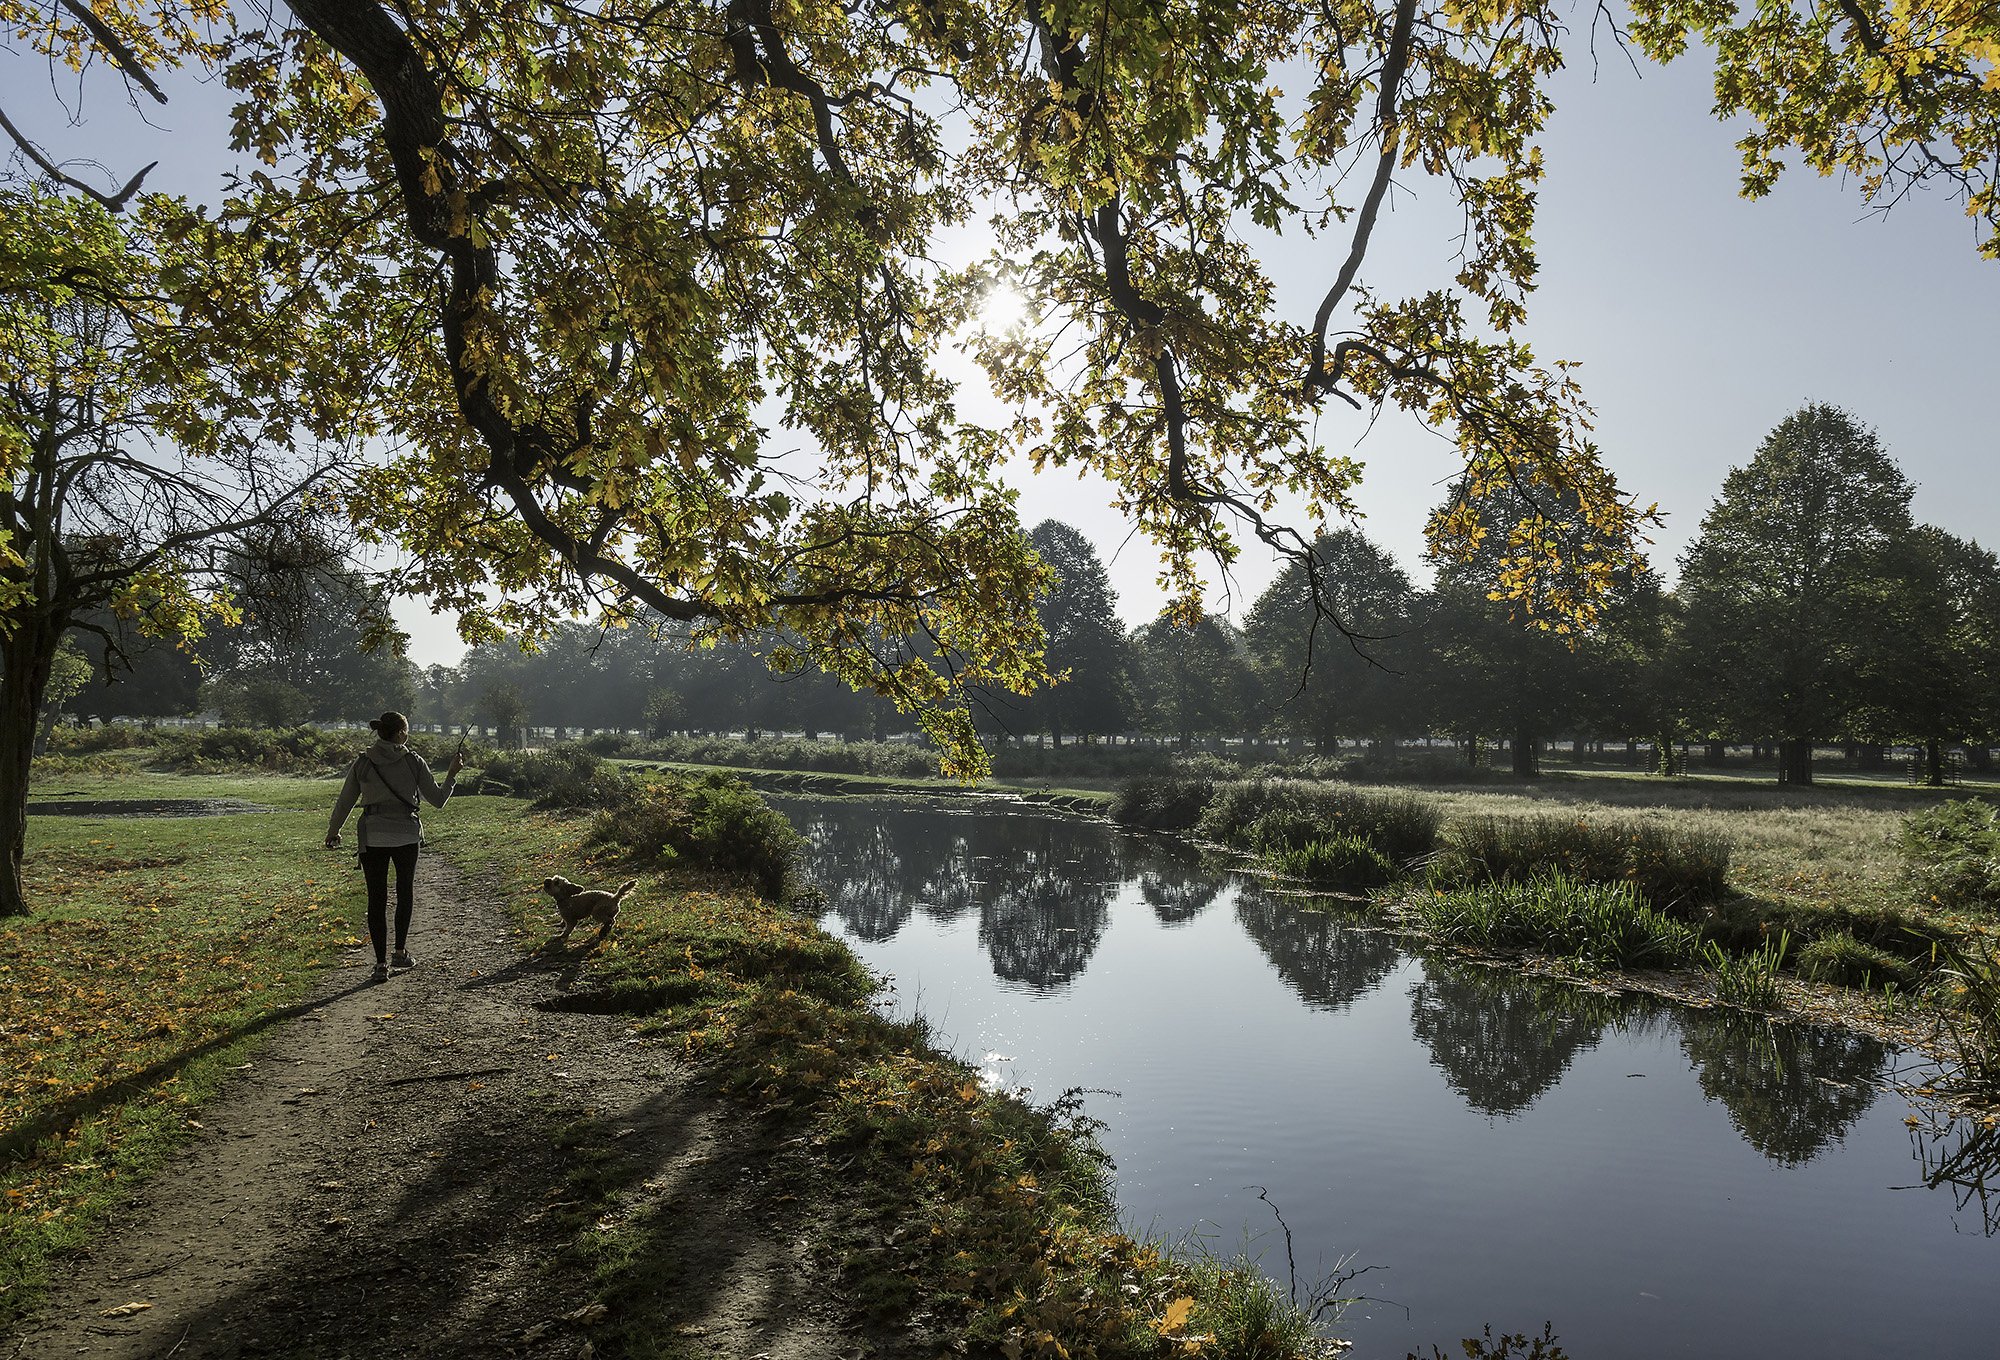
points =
(1603, 924)
(1343, 861)
(1970, 1016)
(1748, 980)
(1845, 961)
(1272, 815)
(1951, 854)
(1674, 869)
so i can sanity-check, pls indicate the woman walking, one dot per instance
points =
(391, 782)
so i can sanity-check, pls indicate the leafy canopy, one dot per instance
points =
(654, 292)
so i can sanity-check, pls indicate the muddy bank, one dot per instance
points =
(144, 807)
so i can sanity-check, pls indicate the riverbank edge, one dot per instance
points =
(972, 1214)
(1903, 1023)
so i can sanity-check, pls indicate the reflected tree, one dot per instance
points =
(1171, 877)
(1329, 963)
(1790, 1089)
(860, 868)
(1502, 1039)
(1047, 906)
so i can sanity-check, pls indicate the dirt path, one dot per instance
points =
(387, 1178)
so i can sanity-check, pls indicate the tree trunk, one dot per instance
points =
(1713, 753)
(1872, 755)
(1981, 757)
(1632, 751)
(27, 657)
(1795, 761)
(1934, 762)
(1524, 755)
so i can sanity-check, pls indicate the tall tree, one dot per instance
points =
(1087, 648)
(1189, 677)
(1931, 664)
(1515, 667)
(1780, 583)
(311, 625)
(139, 447)
(1308, 678)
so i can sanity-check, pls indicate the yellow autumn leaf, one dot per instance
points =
(1175, 1317)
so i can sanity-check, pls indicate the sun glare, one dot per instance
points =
(1004, 308)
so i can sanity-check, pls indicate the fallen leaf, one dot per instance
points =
(588, 1314)
(126, 1309)
(1176, 1316)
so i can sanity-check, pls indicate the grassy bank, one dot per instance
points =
(162, 950)
(990, 1217)
(159, 952)
(1884, 890)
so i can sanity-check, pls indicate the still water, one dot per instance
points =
(1654, 1180)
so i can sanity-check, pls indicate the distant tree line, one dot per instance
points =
(1811, 608)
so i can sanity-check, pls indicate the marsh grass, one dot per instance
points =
(1341, 861)
(1676, 868)
(1970, 1016)
(1845, 961)
(1599, 924)
(1749, 980)
(158, 953)
(1268, 815)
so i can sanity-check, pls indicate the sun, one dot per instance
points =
(1003, 308)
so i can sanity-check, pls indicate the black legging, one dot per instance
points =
(375, 870)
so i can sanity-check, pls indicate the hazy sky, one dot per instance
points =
(1700, 319)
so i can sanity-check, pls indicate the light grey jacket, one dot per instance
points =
(388, 781)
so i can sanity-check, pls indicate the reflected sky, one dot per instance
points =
(1655, 1180)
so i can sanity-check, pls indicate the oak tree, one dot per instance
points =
(1778, 585)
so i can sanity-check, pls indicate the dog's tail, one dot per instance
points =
(630, 884)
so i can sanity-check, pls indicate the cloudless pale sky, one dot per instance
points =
(1701, 319)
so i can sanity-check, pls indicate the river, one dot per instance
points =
(1655, 1180)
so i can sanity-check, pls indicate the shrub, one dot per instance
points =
(1276, 815)
(1842, 959)
(84, 741)
(559, 778)
(1669, 867)
(712, 822)
(1161, 803)
(1599, 923)
(1951, 854)
(1346, 861)
(295, 750)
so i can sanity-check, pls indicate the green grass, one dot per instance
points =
(1597, 924)
(158, 954)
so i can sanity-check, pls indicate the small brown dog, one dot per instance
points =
(579, 904)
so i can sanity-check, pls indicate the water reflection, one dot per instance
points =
(1171, 878)
(1042, 887)
(1045, 906)
(1502, 1039)
(1790, 1089)
(1964, 1157)
(1327, 961)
